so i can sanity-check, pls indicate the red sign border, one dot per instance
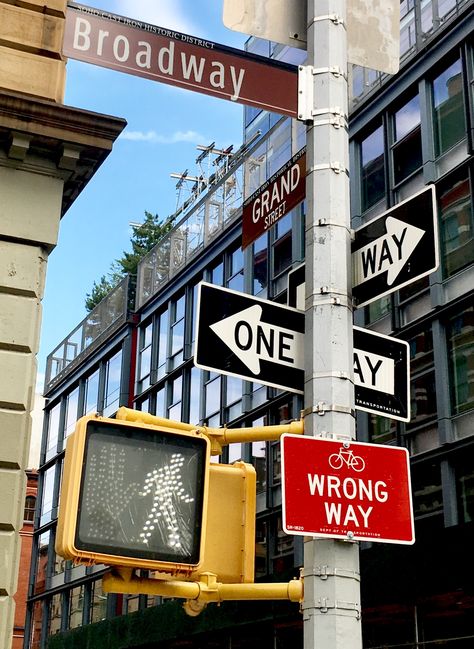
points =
(354, 536)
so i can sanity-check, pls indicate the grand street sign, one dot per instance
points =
(349, 490)
(168, 56)
(275, 198)
(396, 248)
(254, 339)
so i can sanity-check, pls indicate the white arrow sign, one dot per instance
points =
(387, 254)
(252, 340)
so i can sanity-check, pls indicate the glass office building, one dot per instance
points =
(136, 349)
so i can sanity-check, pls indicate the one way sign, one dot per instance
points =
(255, 339)
(395, 249)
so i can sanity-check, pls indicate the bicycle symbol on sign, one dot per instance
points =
(347, 457)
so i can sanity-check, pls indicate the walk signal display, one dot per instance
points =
(134, 495)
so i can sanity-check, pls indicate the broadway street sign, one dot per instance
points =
(257, 340)
(396, 248)
(164, 55)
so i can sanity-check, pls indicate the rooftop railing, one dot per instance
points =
(209, 217)
(107, 316)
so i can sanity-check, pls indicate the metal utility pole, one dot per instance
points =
(331, 606)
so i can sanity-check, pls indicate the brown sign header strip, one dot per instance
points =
(168, 56)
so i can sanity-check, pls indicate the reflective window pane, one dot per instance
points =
(195, 396)
(53, 431)
(456, 224)
(112, 384)
(71, 412)
(260, 265)
(373, 168)
(449, 117)
(163, 345)
(98, 603)
(76, 607)
(47, 495)
(423, 400)
(55, 614)
(92, 392)
(42, 563)
(460, 333)
(407, 156)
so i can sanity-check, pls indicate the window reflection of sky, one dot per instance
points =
(407, 118)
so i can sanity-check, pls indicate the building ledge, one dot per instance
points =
(73, 141)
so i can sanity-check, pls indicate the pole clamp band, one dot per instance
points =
(322, 408)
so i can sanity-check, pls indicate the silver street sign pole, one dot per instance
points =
(331, 567)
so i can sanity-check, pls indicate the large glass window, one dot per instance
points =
(212, 391)
(259, 458)
(382, 430)
(55, 614)
(407, 26)
(423, 400)
(460, 332)
(53, 431)
(195, 396)
(456, 223)
(177, 332)
(423, 388)
(98, 602)
(37, 625)
(176, 395)
(427, 493)
(279, 148)
(92, 393)
(112, 384)
(162, 344)
(235, 274)
(260, 266)
(72, 404)
(406, 150)
(465, 489)
(42, 562)
(76, 607)
(282, 252)
(47, 495)
(233, 397)
(144, 357)
(449, 116)
(261, 548)
(372, 168)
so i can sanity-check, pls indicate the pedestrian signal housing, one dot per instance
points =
(134, 495)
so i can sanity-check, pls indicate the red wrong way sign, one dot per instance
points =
(349, 490)
(165, 55)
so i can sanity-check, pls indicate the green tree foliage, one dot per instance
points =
(144, 237)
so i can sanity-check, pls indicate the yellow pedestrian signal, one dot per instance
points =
(134, 495)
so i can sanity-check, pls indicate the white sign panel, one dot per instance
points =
(373, 27)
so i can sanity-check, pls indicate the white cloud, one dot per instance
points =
(157, 12)
(157, 138)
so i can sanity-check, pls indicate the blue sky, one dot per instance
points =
(164, 125)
